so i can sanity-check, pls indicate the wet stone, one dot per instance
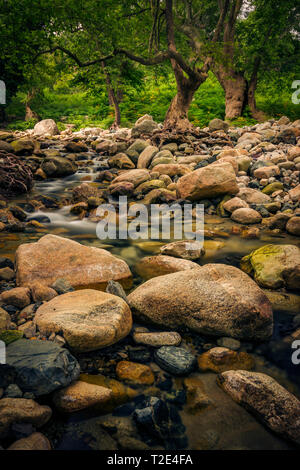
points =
(176, 361)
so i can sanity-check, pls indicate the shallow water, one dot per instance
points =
(224, 424)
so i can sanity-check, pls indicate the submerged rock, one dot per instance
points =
(35, 441)
(135, 373)
(158, 339)
(274, 266)
(222, 359)
(21, 410)
(41, 366)
(216, 299)
(176, 361)
(79, 396)
(266, 399)
(82, 266)
(88, 319)
(185, 249)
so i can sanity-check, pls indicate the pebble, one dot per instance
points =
(176, 361)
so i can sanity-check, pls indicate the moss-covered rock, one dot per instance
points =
(9, 336)
(274, 266)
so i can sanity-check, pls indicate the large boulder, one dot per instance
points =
(88, 319)
(58, 167)
(208, 182)
(21, 410)
(266, 399)
(82, 266)
(145, 126)
(41, 366)
(46, 127)
(216, 299)
(274, 266)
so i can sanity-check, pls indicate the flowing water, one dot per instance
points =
(221, 425)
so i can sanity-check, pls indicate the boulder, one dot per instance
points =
(41, 366)
(218, 125)
(135, 177)
(293, 226)
(216, 299)
(79, 396)
(82, 266)
(21, 410)
(146, 156)
(266, 399)
(153, 266)
(88, 319)
(76, 147)
(234, 203)
(274, 266)
(36, 441)
(147, 126)
(245, 215)
(58, 167)
(22, 146)
(253, 196)
(46, 127)
(19, 297)
(208, 182)
(185, 249)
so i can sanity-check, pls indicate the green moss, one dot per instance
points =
(9, 336)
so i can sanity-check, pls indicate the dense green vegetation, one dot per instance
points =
(85, 63)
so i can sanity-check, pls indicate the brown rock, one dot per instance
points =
(6, 274)
(4, 319)
(295, 193)
(54, 257)
(158, 339)
(19, 297)
(221, 359)
(146, 156)
(136, 373)
(266, 399)
(245, 215)
(35, 441)
(28, 329)
(293, 226)
(253, 196)
(88, 319)
(172, 169)
(185, 249)
(153, 266)
(215, 299)
(21, 410)
(80, 395)
(266, 172)
(42, 293)
(208, 182)
(234, 203)
(196, 397)
(135, 177)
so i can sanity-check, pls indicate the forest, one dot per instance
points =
(107, 63)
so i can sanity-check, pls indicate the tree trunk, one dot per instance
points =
(29, 113)
(177, 114)
(235, 87)
(255, 112)
(112, 98)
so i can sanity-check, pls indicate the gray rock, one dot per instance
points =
(61, 286)
(115, 288)
(230, 343)
(13, 391)
(41, 366)
(218, 125)
(46, 127)
(176, 361)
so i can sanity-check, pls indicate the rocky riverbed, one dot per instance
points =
(149, 344)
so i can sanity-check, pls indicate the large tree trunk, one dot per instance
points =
(112, 98)
(235, 87)
(29, 113)
(177, 114)
(255, 112)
